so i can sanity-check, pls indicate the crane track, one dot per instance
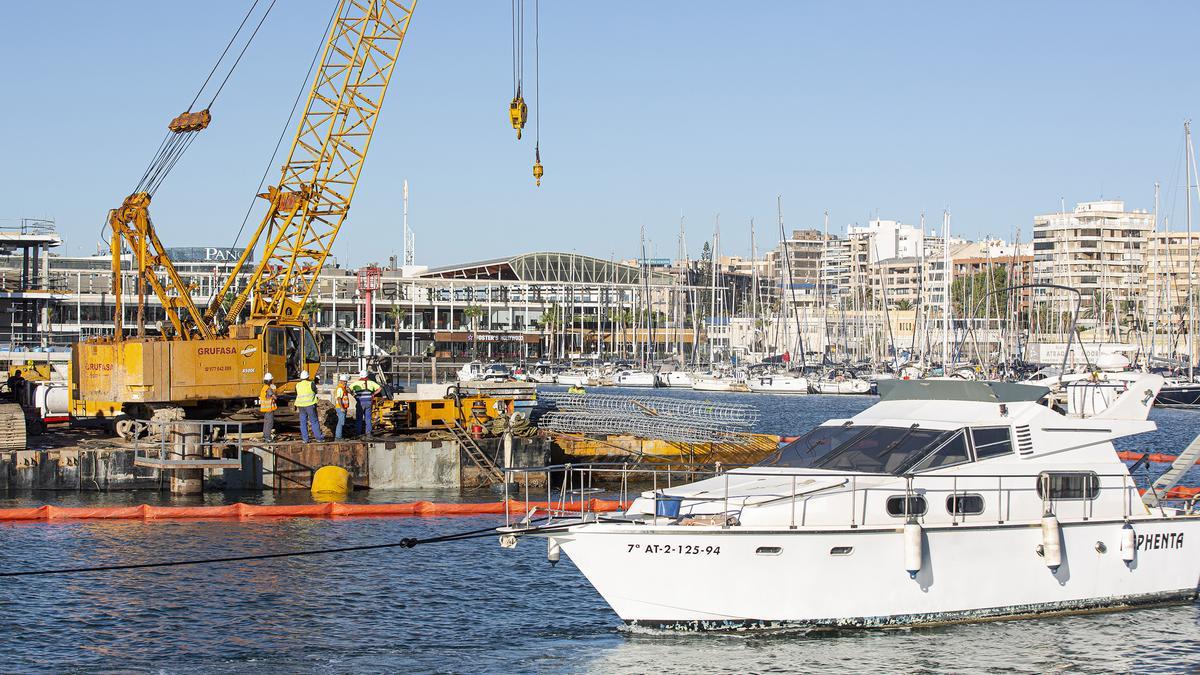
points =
(12, 427)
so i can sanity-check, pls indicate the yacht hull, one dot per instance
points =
(779, 385)
(712, 579)
(841, 387)
(1179, 396)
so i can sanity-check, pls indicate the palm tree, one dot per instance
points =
(311, 310)
(472, 313)
(904, 305)
(550, 316)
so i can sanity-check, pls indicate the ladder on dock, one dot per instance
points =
(492, 474)
(1186, 460)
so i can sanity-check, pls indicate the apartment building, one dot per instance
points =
(1098, 248)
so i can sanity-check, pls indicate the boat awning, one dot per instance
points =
(959, 390)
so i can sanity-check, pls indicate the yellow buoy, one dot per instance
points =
(331, 480)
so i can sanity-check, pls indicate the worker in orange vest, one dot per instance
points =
(267, 405)
(341, 403)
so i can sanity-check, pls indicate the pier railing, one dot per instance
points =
(582, 489)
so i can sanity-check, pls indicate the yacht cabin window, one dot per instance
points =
(991, 441)
(1068, 485)
(953, 451)
(890, 450)
(804, 451)
(964, 505)
(900, 506)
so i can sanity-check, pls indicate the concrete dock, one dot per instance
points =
(73, 462)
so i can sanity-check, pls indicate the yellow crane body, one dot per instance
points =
(222, 373)
(215, 359)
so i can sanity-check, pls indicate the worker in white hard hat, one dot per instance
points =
(306, 402)
(341, 403)
(267, 405)
(365, 390)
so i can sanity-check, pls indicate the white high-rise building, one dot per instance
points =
(1098, 248)
(890, 239)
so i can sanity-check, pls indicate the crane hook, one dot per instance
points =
(518, 112)
(537, 166)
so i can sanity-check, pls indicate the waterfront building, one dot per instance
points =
(1098, 248)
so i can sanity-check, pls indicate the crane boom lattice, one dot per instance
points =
(318, 181)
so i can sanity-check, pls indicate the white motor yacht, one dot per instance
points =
(634, 378)
(676, 378)
(946, 501)
(717, 383)
(575, 377)
(840, 383)
(778, 383)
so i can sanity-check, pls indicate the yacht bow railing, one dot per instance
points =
(587, 492)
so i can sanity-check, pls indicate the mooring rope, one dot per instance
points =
(407, 542)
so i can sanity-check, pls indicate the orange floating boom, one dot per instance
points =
(326, 510)
(1157, 457)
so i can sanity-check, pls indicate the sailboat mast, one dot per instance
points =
(825, 289)
(1189, 162)
(1155, 290)
(948, 303)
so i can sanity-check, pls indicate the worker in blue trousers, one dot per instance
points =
(306, 402)
(365, 389)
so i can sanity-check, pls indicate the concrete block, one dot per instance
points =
(413, 464)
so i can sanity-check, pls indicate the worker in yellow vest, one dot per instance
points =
(267, 405)
(341, 403)
(365, 390)
(306, 402)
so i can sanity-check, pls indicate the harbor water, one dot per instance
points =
(470, 606)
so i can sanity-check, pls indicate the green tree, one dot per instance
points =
(550, 318)
(968, 293)
(904, 304)
(472, 314)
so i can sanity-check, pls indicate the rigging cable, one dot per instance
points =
(182, 130)
(304, 86)
(538, 170)
(518, 111)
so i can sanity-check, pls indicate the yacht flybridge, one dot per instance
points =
(946, 501)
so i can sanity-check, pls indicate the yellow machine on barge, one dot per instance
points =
(211, 363)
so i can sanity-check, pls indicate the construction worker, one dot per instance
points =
(341, 402)
(364, 389)
(306, 402)
(14, 385)
(267, 405)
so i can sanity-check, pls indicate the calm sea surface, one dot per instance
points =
(469, 606)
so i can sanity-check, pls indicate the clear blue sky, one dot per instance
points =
(649, 109)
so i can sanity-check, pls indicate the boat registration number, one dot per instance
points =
(673, 549)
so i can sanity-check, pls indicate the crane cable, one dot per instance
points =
(518, 111)
(538, 170)
(182, 130)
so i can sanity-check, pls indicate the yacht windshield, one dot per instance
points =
(889, 450)
(804, 451)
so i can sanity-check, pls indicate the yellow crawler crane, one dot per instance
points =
(211, 362)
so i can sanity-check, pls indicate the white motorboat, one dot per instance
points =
(946, 501)
(840, 384)
(574, 377)
(477, 371)
(711, 383)
(778, 383)
(634, 378)
(676, 378)
(541, 374)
